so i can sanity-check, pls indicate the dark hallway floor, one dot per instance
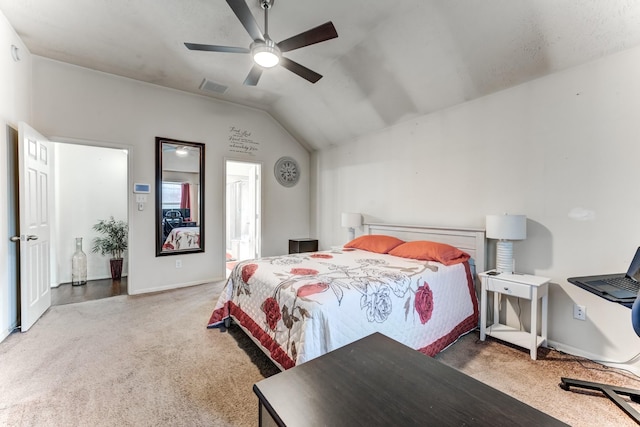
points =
(94, 289)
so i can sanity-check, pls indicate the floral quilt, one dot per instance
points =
(182, 238)
(300, 306)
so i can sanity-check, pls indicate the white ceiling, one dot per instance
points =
(393, 60)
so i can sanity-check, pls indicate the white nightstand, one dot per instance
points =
(524, 286)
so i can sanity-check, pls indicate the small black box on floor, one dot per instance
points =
(297, 246)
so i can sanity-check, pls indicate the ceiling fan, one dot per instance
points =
(266, 53)
(179, 150)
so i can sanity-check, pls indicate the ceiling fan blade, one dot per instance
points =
(243, 13)
(300, 70)
(214, 48)
(315, 35)
(254, 76)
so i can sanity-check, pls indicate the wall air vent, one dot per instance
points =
(209, 86)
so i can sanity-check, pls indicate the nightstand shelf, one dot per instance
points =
(297, 246)
(513, 335)
(532, 288)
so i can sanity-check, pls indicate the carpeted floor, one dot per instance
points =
(149, 360)
(536, 382)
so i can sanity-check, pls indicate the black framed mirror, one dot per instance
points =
(179, 197)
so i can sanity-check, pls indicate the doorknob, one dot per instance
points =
(29, 237)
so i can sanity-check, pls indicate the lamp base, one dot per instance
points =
(504, 256)
(352, 233)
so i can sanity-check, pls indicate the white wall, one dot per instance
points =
(563, 144)
(90, 185)
(77, 103)
(15, 106)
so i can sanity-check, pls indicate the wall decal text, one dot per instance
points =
(240, 141)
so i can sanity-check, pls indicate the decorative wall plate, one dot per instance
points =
(287, 171)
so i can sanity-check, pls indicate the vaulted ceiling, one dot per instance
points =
(393, 60)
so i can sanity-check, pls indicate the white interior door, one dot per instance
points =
(34, 161)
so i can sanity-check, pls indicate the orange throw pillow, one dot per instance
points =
(375, 243)
(430, 251)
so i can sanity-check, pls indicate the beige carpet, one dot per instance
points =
(536, 382)
(149, 361)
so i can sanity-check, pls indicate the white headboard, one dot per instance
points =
(470, 240)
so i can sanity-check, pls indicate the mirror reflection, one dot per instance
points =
(179, 197)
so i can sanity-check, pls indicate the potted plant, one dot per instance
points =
(113, 242)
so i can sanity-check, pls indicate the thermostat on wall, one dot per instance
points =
(141, 188)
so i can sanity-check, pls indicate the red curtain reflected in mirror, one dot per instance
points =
(185, 199)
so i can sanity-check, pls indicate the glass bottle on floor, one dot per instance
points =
(79, 265)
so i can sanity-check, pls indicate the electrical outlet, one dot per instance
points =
(579, 312)
(178, 263)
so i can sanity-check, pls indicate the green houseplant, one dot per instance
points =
(113, 242)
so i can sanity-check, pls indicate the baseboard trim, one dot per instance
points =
(171, 286)
(598, 358)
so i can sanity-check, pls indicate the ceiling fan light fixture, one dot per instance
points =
(182, 152)
(265, 54)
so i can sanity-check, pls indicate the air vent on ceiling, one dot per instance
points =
(209, 86)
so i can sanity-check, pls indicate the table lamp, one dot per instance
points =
(506, 228)
(351, 221)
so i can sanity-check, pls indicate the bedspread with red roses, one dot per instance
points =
(182, 238)
(301, 306)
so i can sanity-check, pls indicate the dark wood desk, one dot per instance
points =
(377, 381)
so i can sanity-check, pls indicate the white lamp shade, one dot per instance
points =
(506, 227)
(351, 220)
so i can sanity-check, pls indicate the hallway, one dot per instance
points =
(94, 289)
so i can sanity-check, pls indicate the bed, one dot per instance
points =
(182, 238)
(298, 307)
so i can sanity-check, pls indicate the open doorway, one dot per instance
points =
(90, 184)
(70, 189)
(243, 208)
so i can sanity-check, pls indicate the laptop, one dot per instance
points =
(615, 287)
